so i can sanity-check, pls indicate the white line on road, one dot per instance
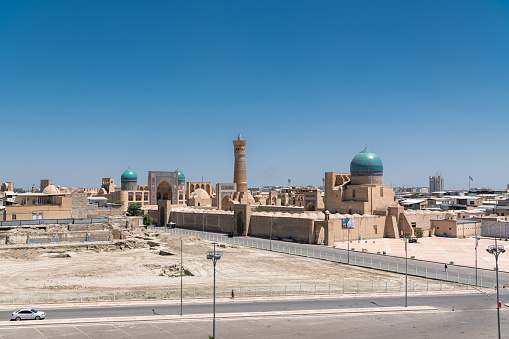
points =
(77, 329)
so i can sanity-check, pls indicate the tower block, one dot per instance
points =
(239, 173)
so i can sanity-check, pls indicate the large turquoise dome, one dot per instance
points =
(181, 175)
(129, 175)
(366, 161)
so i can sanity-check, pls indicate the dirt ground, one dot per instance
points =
(141, 266)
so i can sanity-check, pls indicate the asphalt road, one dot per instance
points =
(464, 302)
(432, 267)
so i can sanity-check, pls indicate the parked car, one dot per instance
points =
(27, 313)
(412, 239)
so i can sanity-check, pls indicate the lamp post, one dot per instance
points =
(181, 291)
(406, 272)
(203, 225)
(496, 250)
(476, 243)
(348, 252)
(214, 256)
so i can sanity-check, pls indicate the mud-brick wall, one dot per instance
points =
(282, 227)
(218, 222)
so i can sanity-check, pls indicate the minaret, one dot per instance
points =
(239, 174)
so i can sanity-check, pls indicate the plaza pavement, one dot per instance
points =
(437, 249)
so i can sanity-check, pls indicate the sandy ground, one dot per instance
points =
(43, 269)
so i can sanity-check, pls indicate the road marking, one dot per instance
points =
(163, 330)
(39, 332)
(82, 332)
(121, 330)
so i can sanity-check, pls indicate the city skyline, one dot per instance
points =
(90, 89)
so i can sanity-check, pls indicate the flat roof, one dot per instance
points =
(466, 221)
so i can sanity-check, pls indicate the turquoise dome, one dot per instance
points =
(129, 175)
(181, 175)
(366, 161)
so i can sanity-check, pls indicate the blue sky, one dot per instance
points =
(88, 88)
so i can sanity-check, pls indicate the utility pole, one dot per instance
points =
(181, 291)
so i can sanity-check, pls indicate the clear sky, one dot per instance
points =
(88, 88)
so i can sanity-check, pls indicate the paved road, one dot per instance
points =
(471, 302)
(432, 267)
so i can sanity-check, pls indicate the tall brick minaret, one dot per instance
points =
(239, 174)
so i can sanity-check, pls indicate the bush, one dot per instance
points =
(147, 220)
(418, 232)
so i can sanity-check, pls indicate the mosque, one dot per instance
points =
(357, 198)
(362, 190)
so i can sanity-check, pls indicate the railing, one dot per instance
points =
(413, 270)
(75, 296)
(54, 221)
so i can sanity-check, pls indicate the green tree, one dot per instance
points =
(418, 232)
(147, 220)
(134, 209)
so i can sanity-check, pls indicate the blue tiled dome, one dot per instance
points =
(366, 161)
(181, 175)
(129, 175)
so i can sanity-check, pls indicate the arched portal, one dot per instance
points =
(164, 191)
(240, 223)
(162, 216)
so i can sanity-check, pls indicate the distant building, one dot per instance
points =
(436, 183)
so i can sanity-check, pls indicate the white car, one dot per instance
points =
(27, 313)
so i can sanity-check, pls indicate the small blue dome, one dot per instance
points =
(366, 161)
(129, 175)
(181, 175)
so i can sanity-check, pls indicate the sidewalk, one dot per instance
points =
(460, 251)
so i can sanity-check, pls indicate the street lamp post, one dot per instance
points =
(203, 225)
(181, 291)
(476, 243)
(496, 250)
(406, 272)
(214, 256)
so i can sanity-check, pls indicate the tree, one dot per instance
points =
(134, 209)
(418, 232)
(147, 220)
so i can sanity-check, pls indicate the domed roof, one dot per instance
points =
(366, 160)
(129, 175)
(200, 193)
(50, 189)
(181, 175)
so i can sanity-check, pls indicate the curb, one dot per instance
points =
(221, 316)
(237, 299)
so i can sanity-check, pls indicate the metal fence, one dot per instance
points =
(382, 265)
(53, 221)
(75, 296)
